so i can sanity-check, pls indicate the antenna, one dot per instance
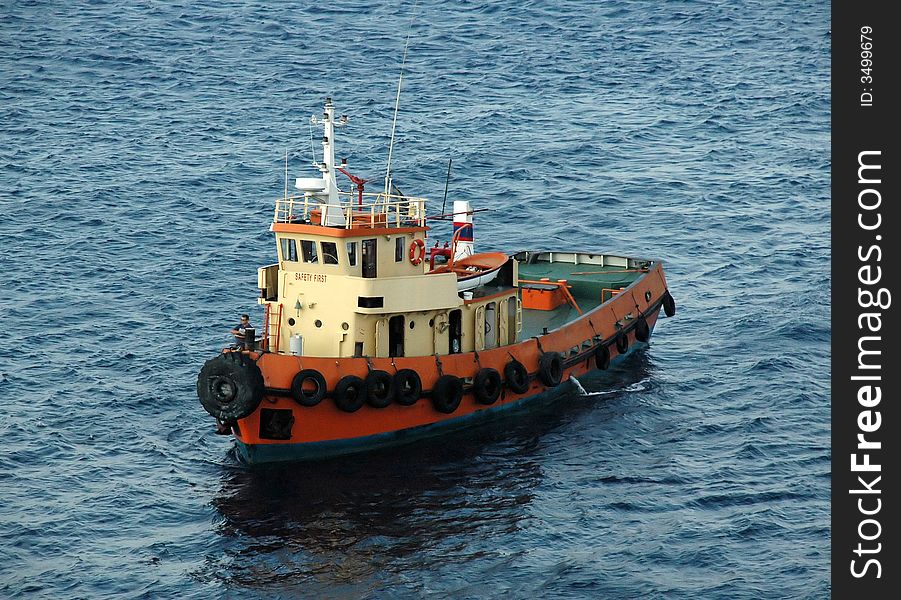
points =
(313, 150)
(446, 181)
(397, 102)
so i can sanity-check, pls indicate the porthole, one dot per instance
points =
(412, 324)
(291, 321)
(345, 326)
(318, 323)
(431, 322)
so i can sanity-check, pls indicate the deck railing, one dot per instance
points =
(376, 210)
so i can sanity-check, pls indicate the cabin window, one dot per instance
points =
(308, 250)
(289, 250)
(370, 301)
(352, 253)
(400, 244)
(329, 253)
(369, 258)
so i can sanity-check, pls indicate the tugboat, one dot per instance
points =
(366, 343)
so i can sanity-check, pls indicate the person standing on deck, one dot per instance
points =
(238, 330)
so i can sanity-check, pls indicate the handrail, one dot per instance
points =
(454, 240)
(278, 328)
(266, 327)
(390, 209)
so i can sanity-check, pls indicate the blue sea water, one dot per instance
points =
(141, 148)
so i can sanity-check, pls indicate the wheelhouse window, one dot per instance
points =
(400, 244)
(329, 253)
(289, 249)
(352, 254)
(308, 250)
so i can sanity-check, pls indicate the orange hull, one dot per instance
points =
(324, 423)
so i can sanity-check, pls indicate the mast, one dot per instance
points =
(332, 213)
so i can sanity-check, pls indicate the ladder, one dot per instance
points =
(272, 320)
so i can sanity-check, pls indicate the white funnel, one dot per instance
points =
(463, 225)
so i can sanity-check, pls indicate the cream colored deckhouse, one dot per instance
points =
(351, 277)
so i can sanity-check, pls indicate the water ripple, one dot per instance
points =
(136, 139)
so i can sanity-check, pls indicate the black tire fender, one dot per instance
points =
(447, 394)
(622, 342)
(306, 397)
(669, 304)
(487, 386)
(349, 393)
(602, 357)
(379, 389)
(550, 368)
(642, 331)
(516, 377)
(407, 387)
(230, 386)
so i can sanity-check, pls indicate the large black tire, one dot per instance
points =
(349, 393)
(230, 386)
(487, 386)
(447, 394)
(379, 389)
(516, 377)
(622, 342)
(602, 357)
(669, 304)
(407, 387)
(300, 387)
(550, 368)
(642, 331)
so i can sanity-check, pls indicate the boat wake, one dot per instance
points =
(638, 386)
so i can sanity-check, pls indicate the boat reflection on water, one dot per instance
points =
(350, 525)
(354, 521)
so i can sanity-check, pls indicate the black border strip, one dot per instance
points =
(865, 104)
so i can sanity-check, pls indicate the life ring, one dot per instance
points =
(447, 394)
(379, 389)
(417, 251)
(516, 377)
(306, 397)
(622, 342)
(349, 393)
(642, 331)
(602, 357)
(487, 386)
(407, 387)
(550, 368)
(230, 386)
(669, 304)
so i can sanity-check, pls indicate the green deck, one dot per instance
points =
(587, 279)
